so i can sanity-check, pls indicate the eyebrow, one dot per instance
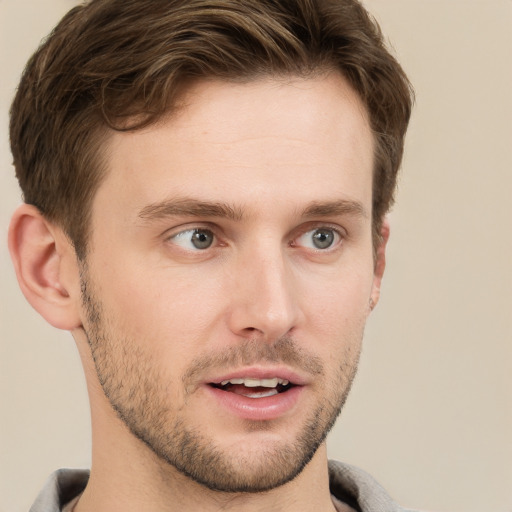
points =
(189, 207)
(337, 208)
(196, 208)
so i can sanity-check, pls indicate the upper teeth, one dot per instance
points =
(255, 383)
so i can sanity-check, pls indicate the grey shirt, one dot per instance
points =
(349, 485)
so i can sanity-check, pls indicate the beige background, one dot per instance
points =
(430, 415)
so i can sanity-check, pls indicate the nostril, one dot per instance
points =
(250, 331)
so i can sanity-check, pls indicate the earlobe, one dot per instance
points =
(380, 264)
(45, 265)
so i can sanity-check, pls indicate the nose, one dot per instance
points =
(264, 303)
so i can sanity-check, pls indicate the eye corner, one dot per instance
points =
(318, 238)
(193, 239)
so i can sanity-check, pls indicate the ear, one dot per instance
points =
(380, 263)
(46, 267)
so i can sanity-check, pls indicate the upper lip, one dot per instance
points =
(261, 372)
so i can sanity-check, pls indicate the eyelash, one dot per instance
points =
(338, 238)
(194, 230)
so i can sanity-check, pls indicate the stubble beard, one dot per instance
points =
(136, 390)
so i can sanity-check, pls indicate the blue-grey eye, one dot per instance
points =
(323, 238)
(194, 239)
(320, 238)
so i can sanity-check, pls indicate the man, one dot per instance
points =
(205, 187)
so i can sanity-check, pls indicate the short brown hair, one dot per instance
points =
(110, 62)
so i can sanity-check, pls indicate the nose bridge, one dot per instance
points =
(264, 300)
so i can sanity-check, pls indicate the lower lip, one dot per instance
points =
(258, 409)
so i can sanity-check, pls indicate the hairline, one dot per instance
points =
(103, 133)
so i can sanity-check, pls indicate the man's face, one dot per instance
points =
(229, 274)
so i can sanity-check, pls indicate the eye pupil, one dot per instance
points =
(201, 239)
(323, 238)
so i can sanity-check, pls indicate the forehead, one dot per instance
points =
(233, 142)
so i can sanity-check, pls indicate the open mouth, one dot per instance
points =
(254, 388)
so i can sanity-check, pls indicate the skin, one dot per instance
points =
(156, 319)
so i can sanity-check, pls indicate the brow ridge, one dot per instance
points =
(337, 207)
(198, 208)
(189, 207)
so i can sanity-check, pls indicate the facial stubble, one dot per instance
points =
(136, 389)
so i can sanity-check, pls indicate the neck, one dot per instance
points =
(127, 476)
(125, 483)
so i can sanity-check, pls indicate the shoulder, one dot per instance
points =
(61, 487)
(359, 489)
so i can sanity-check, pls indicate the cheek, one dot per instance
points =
(340, 297)
(166, 308)
(336, 315)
